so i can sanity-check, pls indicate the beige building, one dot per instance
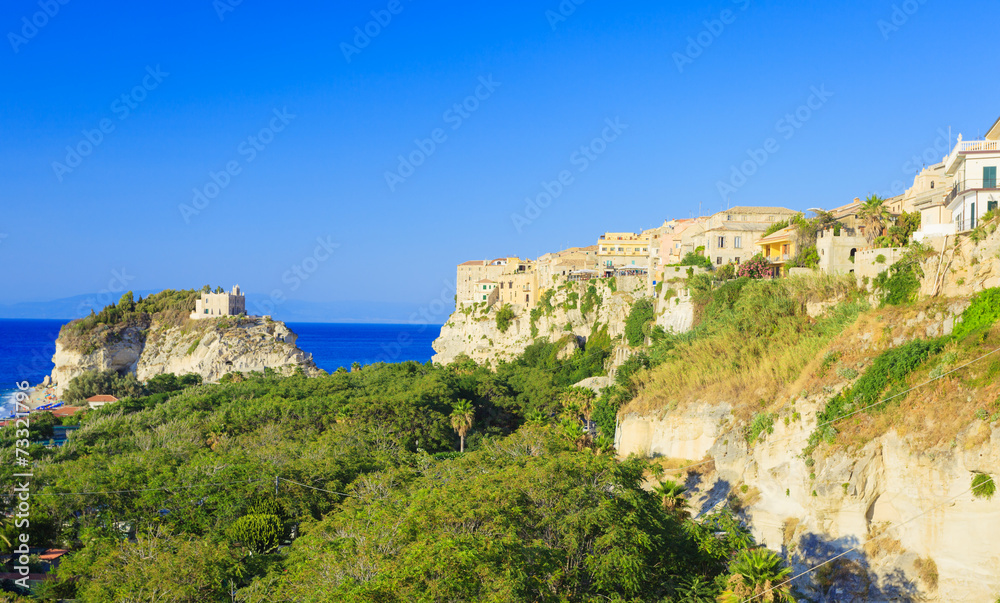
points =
(731, 235)
(213, 305)
(493, 281)
(617, 249)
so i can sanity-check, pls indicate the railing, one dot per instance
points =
(774, 259)
(968, 185)
(971, 146)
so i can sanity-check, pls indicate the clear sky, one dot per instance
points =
(293, 123)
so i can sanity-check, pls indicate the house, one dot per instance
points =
(502, 280)
(731, 235)
(973, 166)
(99, 401)
(484, 289)
(779, 248)
(838, 243)
(214, 305)
(623, 249)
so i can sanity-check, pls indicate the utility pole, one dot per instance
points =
(276, 480)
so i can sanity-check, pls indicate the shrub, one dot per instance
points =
(983, 311)
(761, 422)
(95, 383)
(258, 532)
(504, 317)
(983, 486)
(693, 258)
(900, 283)
(591, 299)
(880, 259)
(635, 325)
(727, 272)
(755, 267)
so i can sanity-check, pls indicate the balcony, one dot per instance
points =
(967, 185)
(777, 259)
(969, 146)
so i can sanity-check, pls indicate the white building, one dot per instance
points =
(973, 165)
(214, 305)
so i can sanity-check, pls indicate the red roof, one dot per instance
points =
(102, 399)
(66, 411)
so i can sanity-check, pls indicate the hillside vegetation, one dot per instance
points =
(168, 307)
(347, 487)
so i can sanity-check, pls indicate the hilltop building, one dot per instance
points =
(619, 249)
(973, 165)
(214, 305)
(731, 235)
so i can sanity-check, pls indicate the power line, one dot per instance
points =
(855, 547)
(315, 488)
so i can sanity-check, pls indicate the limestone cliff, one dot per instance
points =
(473, 330)
(208, 347)
(913, 475)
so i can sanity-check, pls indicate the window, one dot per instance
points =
(728, 217)
(722, 242)
(737, 260)
(718, 260)
(738, 242)
(990, 177)
(932, 184)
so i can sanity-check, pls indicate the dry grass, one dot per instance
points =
(927, 571)
(880, 544)
(788, 530)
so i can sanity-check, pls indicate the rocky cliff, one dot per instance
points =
(567, 310)
(208, 347)
(889, 501)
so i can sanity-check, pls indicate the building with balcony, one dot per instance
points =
(779, 248)
(972, 165)
(732, 235)
(623, 249)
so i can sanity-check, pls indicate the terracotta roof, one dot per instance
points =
(66, 411)
(485, 281)
(746, 209)
(778, 235)
(102, 399)
(473, 263)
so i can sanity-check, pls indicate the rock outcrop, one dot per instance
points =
(208, 347)
(473, 330)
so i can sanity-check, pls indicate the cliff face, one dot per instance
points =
(210, 348)
(473, 331)
(843, 497)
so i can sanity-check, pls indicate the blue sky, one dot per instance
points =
(309, 129)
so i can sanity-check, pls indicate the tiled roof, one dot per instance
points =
(746, 209)
(778, 235)
(102, 399)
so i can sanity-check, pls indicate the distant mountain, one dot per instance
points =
(290, 310)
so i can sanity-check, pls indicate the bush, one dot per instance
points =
(692, 258)
(761, 422)
(755, 267)
(504, 317)
(880, 259)
(726, 273)
(899, 284)
(258, 532)
(983, 486)
(96, 383)
(983, 311)
(641, 314)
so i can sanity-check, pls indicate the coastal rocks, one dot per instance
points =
(210, 348)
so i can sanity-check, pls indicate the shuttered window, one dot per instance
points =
(990, 177)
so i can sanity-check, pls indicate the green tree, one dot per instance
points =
(875, 216)
(259, 532)
(504, 317)
(639, 317)
(672, 499)
(759, 574)
(462, 416)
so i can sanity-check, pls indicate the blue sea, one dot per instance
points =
(27, 347)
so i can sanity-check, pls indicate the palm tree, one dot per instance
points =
(875, 216)
(462, 415)
(670, 494)
(759, 574)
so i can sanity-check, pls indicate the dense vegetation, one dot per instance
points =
(348, 487)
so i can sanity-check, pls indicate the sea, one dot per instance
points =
(27, 347)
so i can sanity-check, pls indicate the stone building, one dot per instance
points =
(213, 305)
(731, 235)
